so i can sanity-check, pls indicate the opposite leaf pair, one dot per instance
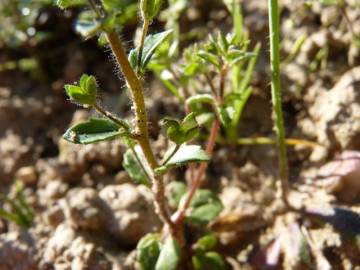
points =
(85, 93)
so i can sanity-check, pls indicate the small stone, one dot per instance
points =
(27, 175)
(67, 250)
(133, 214)
(55, 189)
(84, 209)
(54, 215)
(341, 176)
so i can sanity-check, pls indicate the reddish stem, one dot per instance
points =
(178, 217)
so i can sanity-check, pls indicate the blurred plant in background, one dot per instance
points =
(18, 19)
(15, 208)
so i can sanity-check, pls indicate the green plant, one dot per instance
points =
(18, 210)
(276, 96)
(18, 21)
(195, 207)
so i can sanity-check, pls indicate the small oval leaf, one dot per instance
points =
(148, 250)
(169, 255)
(94, 130)
(186, 154)
(134, 169)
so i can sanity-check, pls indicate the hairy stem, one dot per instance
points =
(276, 97)
(142, 135)
(109, 115)
(136, 91)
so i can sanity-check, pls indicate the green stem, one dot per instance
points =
(171, 155)
(276, 97)
(141, 120)
(142, 40)
(137, 96)
(113, 118)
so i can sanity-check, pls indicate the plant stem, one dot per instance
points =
(142, 40)
(136, 91)
(137, 96)
(276, 97)
(265, 140)
(347, 19)
(210, 83)
(171, 155)
(220, 97)
(109, 115)
(178, 217)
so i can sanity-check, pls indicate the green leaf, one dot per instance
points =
(249, 70)
(210, 58)
(116, 5)
(150, 8)
(69, 3)
(173, 129)
(151, 43)
(87, 29)
(181, 132)
(169, 257)
(88, 83)
(10, 216)
(239, 105)
(148, 250)
(204, 214)
(200, 98)
(206, 242)
(78, 95)
(205, 207)
(189, 123)
(208, 261)
(330, 2)
(84, 94)
(205, 118)
(167, 82)
(235, 57)
(225, 114)
(136, 170)
(94, 130)
(133, 58)
(193, 68)
(19, 213)
(186, 154)
(176, 191)
(26, 209)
